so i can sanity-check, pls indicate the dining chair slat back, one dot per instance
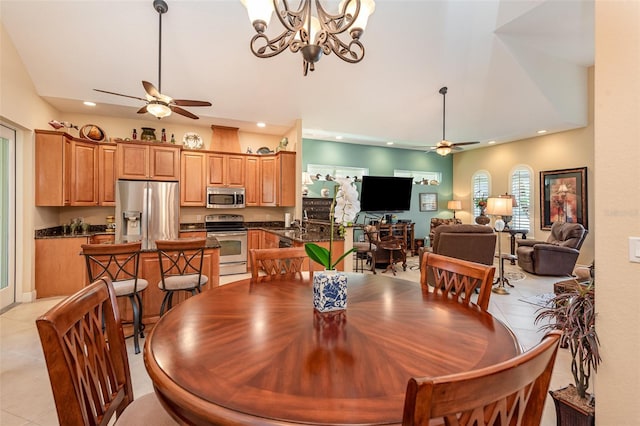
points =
(86, 358)
(457, 278)
(181, 264)
(278, 263)
(119, 262)
(512, 392)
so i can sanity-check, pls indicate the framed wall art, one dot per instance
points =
(563, 197)
(428, 202)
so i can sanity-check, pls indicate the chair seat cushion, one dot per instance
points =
(182, 282)
(145, 410)
(125, 287)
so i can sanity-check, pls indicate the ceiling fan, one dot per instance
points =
(157, 104)
(444, 147)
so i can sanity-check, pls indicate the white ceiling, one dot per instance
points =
(512, 67)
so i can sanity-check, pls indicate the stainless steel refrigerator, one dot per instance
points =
(147, 211)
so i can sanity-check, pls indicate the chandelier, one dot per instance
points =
(310, 34)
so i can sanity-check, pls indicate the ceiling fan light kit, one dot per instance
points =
(160, 105)
(445, 147)
(311, 34)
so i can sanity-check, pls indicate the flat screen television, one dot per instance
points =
(385, 194)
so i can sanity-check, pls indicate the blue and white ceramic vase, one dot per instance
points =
(329, 291)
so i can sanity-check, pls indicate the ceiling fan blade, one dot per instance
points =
(142, 110)
(465, 143)
(120, 94)
(184, 112)
(185, 102)
(151, 89)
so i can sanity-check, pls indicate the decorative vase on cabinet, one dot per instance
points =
(148, 134)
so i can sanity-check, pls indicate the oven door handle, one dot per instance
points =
(227, 234)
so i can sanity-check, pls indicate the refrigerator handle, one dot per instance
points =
(145, 216)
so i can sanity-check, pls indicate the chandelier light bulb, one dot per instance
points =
(259, 12)
(367, 7)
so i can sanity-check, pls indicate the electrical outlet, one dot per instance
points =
(634, 249)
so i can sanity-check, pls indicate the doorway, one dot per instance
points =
(7, 216)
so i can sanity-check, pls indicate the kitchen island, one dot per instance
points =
(61, 270)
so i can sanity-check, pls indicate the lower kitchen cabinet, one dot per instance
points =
(60, 267)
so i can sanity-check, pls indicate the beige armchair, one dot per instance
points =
(558, 255)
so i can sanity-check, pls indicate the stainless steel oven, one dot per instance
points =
(230, 232)
(225, 198)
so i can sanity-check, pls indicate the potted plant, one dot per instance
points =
(330, 287)
(572, 311)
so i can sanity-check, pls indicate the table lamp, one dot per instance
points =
(499, 207)
(454, 205)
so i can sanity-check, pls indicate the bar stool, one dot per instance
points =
(180, 268)
(120, 263)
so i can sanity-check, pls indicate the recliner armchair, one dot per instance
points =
(436, 221)
(475, 243)
(558, 255)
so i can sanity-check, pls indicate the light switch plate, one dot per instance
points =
(634, 249)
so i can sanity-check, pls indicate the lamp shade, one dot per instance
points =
(259, 10)
(367, 7)
(454, 205)
(497, 206)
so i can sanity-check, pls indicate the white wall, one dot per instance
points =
(617, 191)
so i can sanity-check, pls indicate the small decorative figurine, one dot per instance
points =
(134, 135)
(60, 124)
(249, 151)
(283, 144)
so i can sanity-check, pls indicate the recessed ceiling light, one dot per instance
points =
(261, 124)
(89, 103)
(389, 143)
(541, 132)
(339, 137)
(491, 142)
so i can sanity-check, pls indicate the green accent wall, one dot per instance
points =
(382, 161)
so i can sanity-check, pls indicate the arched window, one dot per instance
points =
(481, 185)
(522, 189)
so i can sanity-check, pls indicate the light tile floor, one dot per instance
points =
(25, 392)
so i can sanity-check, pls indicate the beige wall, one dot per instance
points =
(23, 110)
(617, 160)
(563, 150)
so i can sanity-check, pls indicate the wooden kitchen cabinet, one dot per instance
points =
(270, 180)
(148, 161)
(226, 170)
(193, 179)
(102, 239)
(254, 241)
(107, 174)
(66, 170)
(286, 179)
(59, 266)
(252, 181)
(270, 240)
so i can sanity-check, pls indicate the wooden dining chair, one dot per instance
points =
(512, 392)
(457, 278)
(180, 268)
(120, 262)
(278, 263)
(86, 358)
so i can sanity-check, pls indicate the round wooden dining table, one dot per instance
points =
(258, 353)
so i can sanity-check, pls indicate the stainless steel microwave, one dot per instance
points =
(225, 198)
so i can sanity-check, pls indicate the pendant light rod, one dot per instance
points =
(443, 92)
(161, 7)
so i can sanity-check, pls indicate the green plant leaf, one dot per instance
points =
(342, 257)
(318, 254)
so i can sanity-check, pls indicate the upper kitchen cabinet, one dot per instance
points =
(270, 180)
(148, 161)
(107, 174)
(226, 170)
(193, 171)
(66, 170)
